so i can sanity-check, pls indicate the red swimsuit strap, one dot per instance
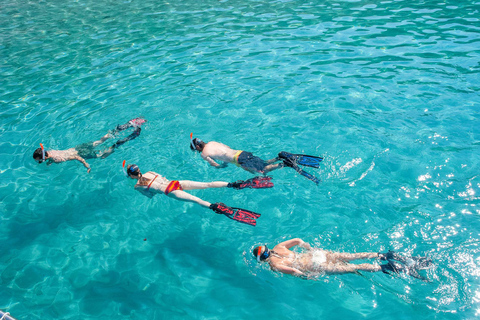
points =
(151, 182)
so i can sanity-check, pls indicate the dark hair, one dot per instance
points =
(197, 142)
(133, 170)
(37, 154)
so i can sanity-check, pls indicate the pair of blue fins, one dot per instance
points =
(290, 160)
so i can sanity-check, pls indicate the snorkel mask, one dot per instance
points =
(263, 256)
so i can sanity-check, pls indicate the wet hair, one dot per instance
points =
(197, 142)
(37, 154)
(133, 170)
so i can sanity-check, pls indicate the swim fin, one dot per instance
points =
(137, 122)
(302, 159)
(132, 136)
(292, 164)
(419, 263)
(255, 183)
(240, 215)
(409, 265)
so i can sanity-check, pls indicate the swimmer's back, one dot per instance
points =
(218, 151)
(62, 155)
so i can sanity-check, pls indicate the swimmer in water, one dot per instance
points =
(314, 261)
(215, 151)
(152, 183)
(87, 150)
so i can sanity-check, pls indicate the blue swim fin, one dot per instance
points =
(302, 159)
(292, 164)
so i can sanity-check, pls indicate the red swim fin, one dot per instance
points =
(245, 216)
(238, 214)
(255, 183)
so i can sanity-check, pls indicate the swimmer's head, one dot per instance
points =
(133, 171)
(261, 253)
(38, 155)
(197, 144)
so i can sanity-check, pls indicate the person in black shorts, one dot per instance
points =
(216, 151)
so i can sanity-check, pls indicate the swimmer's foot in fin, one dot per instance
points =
(301, 159)
(132, 136)
(292, 164)
(419, 263)
(255, 183)
(408, 265)
(137, 122)
(241, 215)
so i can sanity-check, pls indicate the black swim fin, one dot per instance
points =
(132, 136)
(419, 263)
(137, 122)
(302, 159)
(292, 164)
(409, 265)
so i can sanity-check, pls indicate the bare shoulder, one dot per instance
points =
(150, 174)
(213, 145)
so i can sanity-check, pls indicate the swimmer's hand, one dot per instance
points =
(305, 245)
(223, 165)
(88, 170)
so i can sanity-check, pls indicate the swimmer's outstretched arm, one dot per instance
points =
(295, 242)
(212, 162)
(82, 161)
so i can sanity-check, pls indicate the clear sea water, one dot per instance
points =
(386, 91)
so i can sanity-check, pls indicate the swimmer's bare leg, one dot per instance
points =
(105, 153)
(102, 139)
(272, 167)
(344, 256)
(183, 196)
(273, 160)
(193, 185)
(350, 268)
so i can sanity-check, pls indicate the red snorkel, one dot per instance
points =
(43, 152)
(124, 170)
(191, 141)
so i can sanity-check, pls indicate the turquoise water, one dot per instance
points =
(386, 91)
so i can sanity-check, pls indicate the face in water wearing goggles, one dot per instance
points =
(262, 253)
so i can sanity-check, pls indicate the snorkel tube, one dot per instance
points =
(43, 152)
(191, 141)
(124, 170)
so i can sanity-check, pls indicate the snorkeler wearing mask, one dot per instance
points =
(152, 183)
(315, 261)
(87, 150)
(215, 151)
